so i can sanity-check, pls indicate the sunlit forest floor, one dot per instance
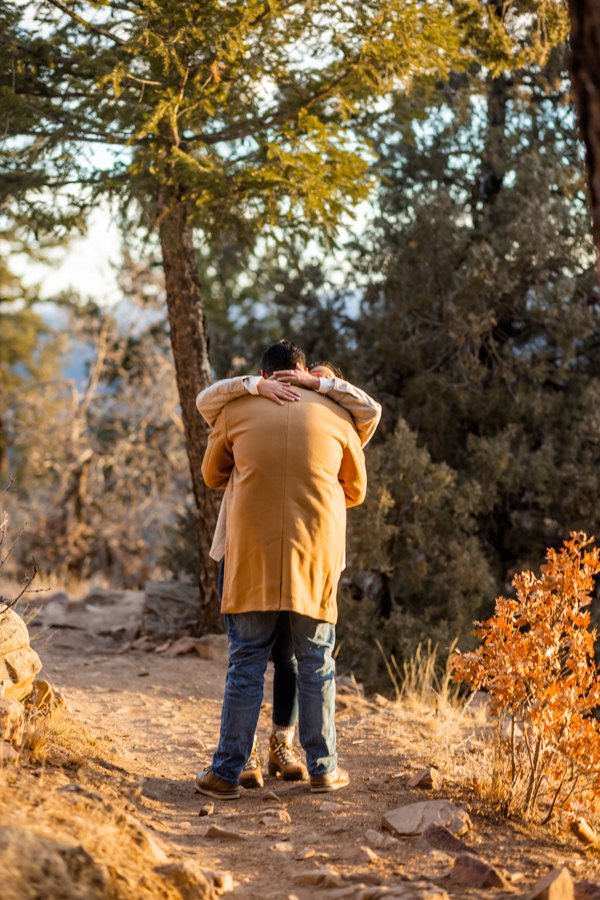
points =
(105, 800)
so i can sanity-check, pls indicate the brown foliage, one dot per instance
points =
(536, 661)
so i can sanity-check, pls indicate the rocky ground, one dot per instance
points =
(152, 723)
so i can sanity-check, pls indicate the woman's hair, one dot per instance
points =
(327, 365)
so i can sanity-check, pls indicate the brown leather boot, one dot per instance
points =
(282, 759)
(322, 784)
(208, 784)
(251, 775)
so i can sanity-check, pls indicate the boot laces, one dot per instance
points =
(285, 754)
(254, 761)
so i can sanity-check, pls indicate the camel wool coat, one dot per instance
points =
(294, 469)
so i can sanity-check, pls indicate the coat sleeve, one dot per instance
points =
(353, 471)
(218, 460)
(214, 398)
(365, 411)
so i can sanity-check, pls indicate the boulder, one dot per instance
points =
(13, 632)
(414, 818)
(19, 664)
(556, 885)
(12, 721)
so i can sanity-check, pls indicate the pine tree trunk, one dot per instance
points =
(189, 340)
(585, 76)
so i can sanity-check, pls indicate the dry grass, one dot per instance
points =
(66, 825)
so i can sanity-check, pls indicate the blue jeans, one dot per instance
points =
(285, 674)
(251, 639)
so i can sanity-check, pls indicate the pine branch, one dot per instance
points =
(88, 25)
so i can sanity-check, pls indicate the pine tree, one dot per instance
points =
(481, 331)
(585, 73)
(228, 118)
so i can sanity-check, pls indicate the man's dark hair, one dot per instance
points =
(282, 355)
(328, 365)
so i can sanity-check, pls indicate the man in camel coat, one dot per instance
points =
(294, 470)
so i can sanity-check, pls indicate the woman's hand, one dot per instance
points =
(277, 391)
(298, 376)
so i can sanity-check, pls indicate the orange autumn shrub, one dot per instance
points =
(536, 662)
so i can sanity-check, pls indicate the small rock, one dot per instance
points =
(428, 779)
(585, 890)
(376, 839)
(476, 873)
(556, 885)
(283, 847)
(423, 891)
(270, 795)
(7, 752)
(216, 833)
(269, 821)
(182, 646)
(143, 643)
(305, 854)
(325, 877)
(439, 838)
(207, 652)
(380, 700)
(358, 855)
(281, 815)
(584, 832)
(414, 818)
(331, 807)
(12, 721)
(364, 876)
(223, 882)
(207, 810)
(189, 879)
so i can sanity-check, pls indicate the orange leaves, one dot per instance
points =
(536, 661)
(214, 70)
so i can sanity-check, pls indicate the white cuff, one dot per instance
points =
(251, 383)
(326, 385)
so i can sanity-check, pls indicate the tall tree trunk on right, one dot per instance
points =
(585, 76)
(189, 341)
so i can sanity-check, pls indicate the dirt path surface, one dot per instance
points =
(157, 721)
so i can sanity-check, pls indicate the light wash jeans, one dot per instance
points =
(251, 638)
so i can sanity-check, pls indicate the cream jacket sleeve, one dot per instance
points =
(212, 399)
(365, 411)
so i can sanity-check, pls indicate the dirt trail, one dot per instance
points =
(158, 721)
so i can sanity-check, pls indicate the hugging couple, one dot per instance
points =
(287, 448)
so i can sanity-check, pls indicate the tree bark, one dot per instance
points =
(189, 341)
(585, 78)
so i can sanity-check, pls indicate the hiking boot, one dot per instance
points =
(322, 784)
(251, 775)
(208, 784)
(282, 759)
